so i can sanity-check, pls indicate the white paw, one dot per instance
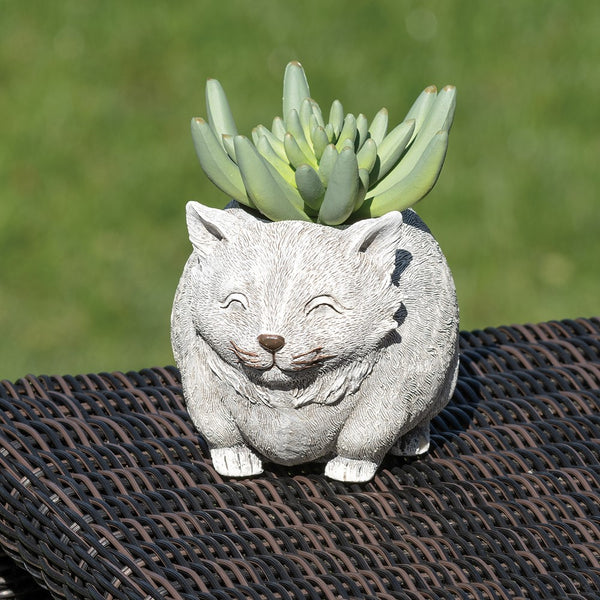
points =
(413, 443)
(350, 469)
(238, 461)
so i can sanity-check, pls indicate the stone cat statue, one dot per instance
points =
(298, 342)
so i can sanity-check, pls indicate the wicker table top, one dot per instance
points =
(106, 491)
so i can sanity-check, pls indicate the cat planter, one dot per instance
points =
(301, 342)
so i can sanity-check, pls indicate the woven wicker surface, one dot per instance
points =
(106, 491)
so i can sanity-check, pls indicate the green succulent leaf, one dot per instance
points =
(295, 129)
(278, 128)
(295, 154)
(271, 195)
(363, 188)
(295, 88)
(215, 162)
(227, 141)
(336, 119)
(307, 118)
(330, 131)
(316, 109)
(421, 107)
(310, 186)
(362, 130)
(342, 190)
(274, 141)
(348, 131)
(391, 148)
(319, 141)
(328, 160)
(417, 183)
(378, 126)
(220, 118)
(263, 145)
(367, 155)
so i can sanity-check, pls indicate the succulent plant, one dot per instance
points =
(330, 172)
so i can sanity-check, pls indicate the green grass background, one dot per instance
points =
(96, 159)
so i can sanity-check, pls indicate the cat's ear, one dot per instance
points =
(208, 227)
(379, 238)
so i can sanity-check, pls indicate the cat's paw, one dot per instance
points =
(413, 443)
(350, 469)
(237, 461)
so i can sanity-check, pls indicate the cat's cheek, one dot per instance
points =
(239, 328)
(326, 321)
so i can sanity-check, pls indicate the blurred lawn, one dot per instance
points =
(96, 160)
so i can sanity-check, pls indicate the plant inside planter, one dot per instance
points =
(316, 318)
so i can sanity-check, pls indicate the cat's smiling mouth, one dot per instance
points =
(297, 362)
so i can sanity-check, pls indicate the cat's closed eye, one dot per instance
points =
(235, 300)
(322, 304)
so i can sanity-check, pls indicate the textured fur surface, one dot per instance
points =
(298, 342)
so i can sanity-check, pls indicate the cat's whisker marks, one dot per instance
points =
(250, 359)
(314, 351)
(316, 359)
(300, 365)
(239, 352)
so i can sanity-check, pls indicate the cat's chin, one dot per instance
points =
(278, 379)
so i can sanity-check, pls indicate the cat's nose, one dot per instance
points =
(271, 342)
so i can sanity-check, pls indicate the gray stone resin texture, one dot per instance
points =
(298, 342)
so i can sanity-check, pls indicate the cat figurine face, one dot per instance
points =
(280, 331)
(274, 305)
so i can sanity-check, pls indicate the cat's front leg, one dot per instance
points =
(228, 451)
(205, 397)
(388, 412)
(413, 443)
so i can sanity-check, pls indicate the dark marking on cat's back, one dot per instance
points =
(403, 259)
(412, 219)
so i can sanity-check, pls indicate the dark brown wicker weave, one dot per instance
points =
(106, 491)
